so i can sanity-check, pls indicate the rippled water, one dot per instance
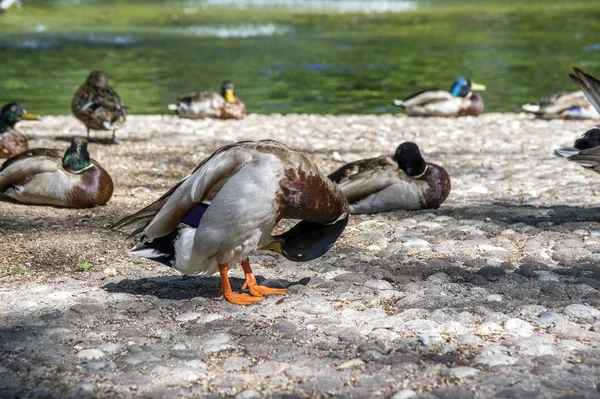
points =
(290, 56)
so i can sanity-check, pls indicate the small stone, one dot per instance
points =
(350, 364)
(546, 318)
(518, 327)
(463, 372)
(491, 273)
(249, 394)
(488, 328)
(139, 358)
(378, 285)
(90, 354)
(235, 363)
(429, 339)
(216, 342)
(496, 360)
(270, 368)
(584, 312)
(110, 271)
(546, 276)
(439, 278)
(404, 394)
(189, 316)
(493, 298)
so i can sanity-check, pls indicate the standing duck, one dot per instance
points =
(204, 104)
(586, 150)
(11, 141)
(98, 105)
(49, 177)
(459, 101)
(227, 207)
(404, 181)
(562, 105)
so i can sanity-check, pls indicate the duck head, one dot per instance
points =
(97, 79)
(227, 91)
(462, 87)
(307, 241)
(77, 157)
(590, 139)
(14, 112)
(409, 159)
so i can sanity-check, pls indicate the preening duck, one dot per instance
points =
(50, 177)
(11, 141)
(459, 101)
(386, 183)
(563, 105)
(227, 207)
(204, 104)
(586, 150)
(98, 105)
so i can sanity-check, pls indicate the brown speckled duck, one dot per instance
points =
(98, 105)
(404, 181)
(204, 104)
(227, 208)
(49, 177)
(563, 105)
(459, 101)
(11, 141)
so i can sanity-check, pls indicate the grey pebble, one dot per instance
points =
(269, 368)
(439, 278)
(404, 394)
(463, 372)
(581, 311)
(496, 360)
(378, 284)
(546, 318)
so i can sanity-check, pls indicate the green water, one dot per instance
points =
(299, 59)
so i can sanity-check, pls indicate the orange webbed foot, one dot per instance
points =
(255, 289)
(241, 299)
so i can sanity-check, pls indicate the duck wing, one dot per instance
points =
(360, 166)
(369, 177)
(29, 163)
(589, 85)
(426, 97)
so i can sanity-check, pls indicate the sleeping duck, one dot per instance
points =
(49, 177)
(586, 150)
(404, 181)
(98, 105)
(11, 141)
(227, 207)
(204, 104)
(563, 105)
(459, 101)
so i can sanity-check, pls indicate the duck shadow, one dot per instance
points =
(104, 141)
(529, 214)
(188, 287)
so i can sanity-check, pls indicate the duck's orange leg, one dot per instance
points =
(255, 289)
(237, 299)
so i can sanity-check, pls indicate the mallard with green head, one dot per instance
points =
(461, 100)
(50, 177)
(98, 105)
(11, 141)
(563, 105)
(586, 149)
(204, 104)
(388, 183)
(227, 208)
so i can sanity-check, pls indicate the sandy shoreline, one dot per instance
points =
(494, 294)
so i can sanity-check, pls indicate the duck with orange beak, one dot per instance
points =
(204, 104)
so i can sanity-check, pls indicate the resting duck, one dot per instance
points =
(586, 150)
(11, 141)
(49, 177)
(227, 207)
(459, 101)
(98, 105)
(563, 105)
(204, 104)
(404, 181)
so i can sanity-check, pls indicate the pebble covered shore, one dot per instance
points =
(494, 295)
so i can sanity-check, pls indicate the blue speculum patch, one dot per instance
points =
(194, 216)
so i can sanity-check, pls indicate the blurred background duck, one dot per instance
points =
(51, 177)
(563, 105)
(204, 104)
(387, 183)
(459, 101)
(586, 150)
(98, 105)
(11, 141)
(227, 208)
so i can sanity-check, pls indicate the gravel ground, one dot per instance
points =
(496, 294)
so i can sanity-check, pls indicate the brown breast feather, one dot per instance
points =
(438, 181)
